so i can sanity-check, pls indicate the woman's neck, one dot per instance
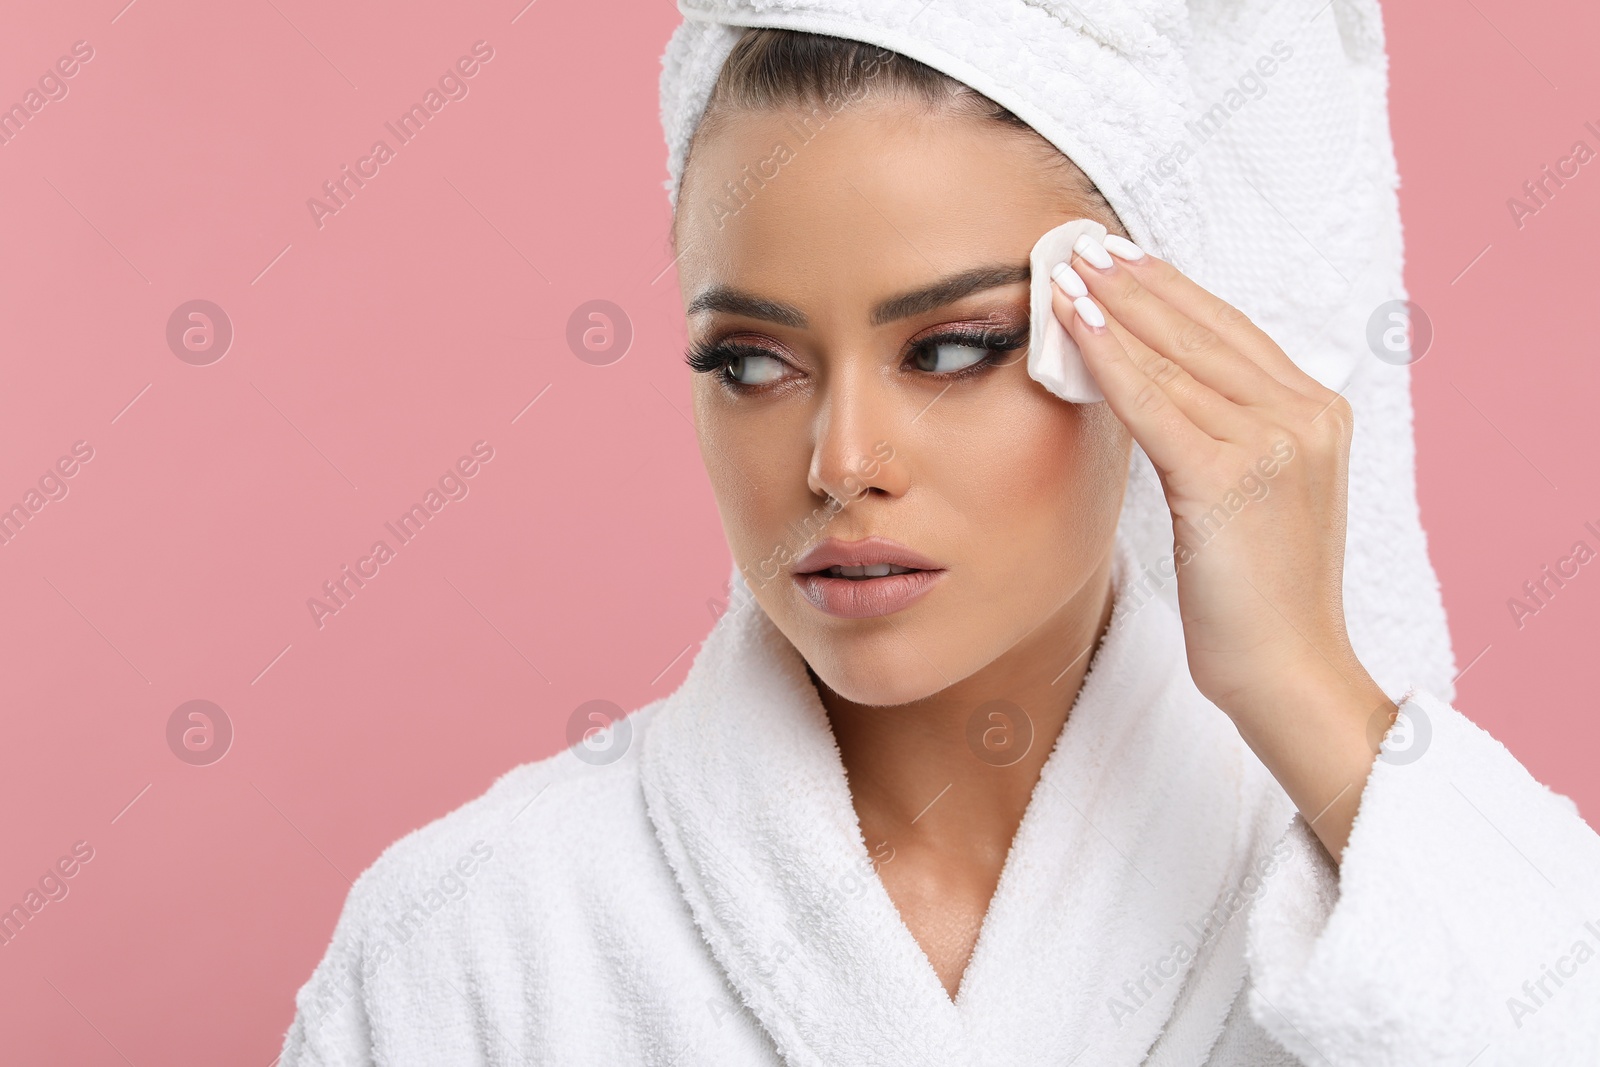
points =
(940, 786)
(945, 772)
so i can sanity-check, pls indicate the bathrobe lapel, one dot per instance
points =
(1127, 842)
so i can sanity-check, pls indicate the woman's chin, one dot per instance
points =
(878, 681)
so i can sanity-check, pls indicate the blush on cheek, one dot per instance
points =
(1066, 451)
(1100, 480)
(1064, 495)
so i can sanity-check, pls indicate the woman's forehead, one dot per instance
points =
(865, 203)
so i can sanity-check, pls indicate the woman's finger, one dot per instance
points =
(1173, 333)
(1167, 435)
(1214, 413)
(1200, 313)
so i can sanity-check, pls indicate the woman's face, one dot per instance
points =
(874, 285)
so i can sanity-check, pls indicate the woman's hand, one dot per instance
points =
(1253, 457)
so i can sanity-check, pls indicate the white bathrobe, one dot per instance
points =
(697, 891)
(706, 897)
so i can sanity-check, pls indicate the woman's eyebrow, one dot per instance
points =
(949, 290)
(928, 298)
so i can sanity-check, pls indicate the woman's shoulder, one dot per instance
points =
(541, 820)
(528, 864)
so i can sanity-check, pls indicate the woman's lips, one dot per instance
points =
(858, 593)
(863, 598)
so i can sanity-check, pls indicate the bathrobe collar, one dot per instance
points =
(1128, 841)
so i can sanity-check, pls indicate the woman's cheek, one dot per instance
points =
(1035, 457)
(1063, 484)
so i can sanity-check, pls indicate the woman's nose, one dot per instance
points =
(854, 450)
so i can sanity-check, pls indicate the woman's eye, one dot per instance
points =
(754, 369)
(948, 356)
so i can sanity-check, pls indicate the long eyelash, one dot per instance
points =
(705, 357)
(996, 344)
(714, 357)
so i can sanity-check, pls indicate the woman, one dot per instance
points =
(949, 782)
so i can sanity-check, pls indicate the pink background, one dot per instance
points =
(427, 314)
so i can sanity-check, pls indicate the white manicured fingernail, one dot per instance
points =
(1123, 248)
(1090, 249)
(1068, 279)
(1088, 312)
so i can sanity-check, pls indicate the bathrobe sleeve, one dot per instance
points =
(1462, 926)
(331, 1026)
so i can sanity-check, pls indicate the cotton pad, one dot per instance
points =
(1053, 357)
